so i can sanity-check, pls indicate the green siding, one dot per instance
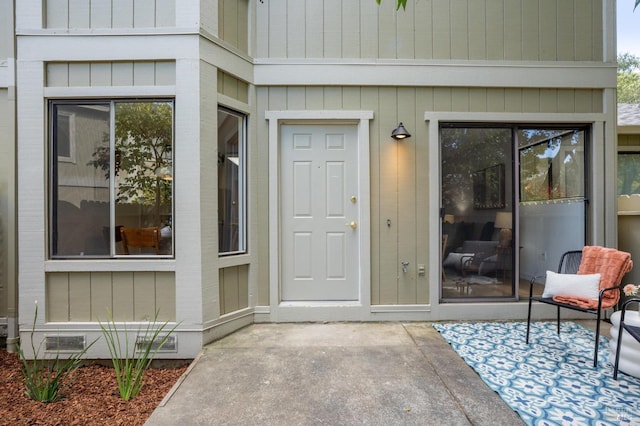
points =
(530, 30)
(234, 288)
(90, 296)
(399, 176)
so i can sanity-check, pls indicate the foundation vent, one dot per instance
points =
(171, 345)
(64, 343)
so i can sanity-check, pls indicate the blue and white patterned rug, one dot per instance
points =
(551, 381)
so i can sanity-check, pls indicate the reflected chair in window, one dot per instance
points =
(610, 263)
(142, 240)
(445, 237)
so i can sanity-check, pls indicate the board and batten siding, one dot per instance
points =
(628, 140)
(529, 30)
(230, 22)
(233, 23)
(6, 31)
(234, 288)
(82, 14)
(91, 296)
(233, 87)
(400, 178)
(95, 74)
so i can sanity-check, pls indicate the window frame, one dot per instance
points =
(53, 177)
(242, 182)
(622, 151)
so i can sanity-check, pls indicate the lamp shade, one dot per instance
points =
(400, 132)
(503, 220)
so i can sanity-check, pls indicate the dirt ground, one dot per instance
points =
(91, 399)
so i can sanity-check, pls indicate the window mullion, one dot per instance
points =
(112, 179)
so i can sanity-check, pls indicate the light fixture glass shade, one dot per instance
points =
(400, 132)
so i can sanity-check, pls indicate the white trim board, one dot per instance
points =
(432, 74)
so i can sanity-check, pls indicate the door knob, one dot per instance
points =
(352, 225)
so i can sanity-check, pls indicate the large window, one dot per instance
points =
(551, 164)
(231, 182)
(629, 173)
(118, 187)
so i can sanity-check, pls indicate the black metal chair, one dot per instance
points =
(569, 264)
(633, 330)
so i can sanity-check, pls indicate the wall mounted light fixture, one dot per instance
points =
(400, 133)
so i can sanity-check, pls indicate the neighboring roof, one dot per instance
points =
(628, 114)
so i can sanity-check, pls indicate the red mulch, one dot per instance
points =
(91, 399)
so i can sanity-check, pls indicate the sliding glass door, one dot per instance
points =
(512, 200)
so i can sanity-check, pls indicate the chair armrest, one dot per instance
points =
(465, 260)
(531, 283)
(603, 291)
(624, 306)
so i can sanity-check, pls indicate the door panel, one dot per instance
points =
(319, 213)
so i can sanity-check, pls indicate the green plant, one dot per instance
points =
(130, 363)
(46, 379)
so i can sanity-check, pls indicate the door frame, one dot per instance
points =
(280, 311)
(603, 208)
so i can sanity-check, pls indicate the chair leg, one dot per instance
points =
(618, 347)
(528, 321)
(595, 350)
(558, 318)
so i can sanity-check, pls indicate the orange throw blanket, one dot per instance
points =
(611, 264)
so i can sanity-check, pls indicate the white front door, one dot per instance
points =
(319, 213)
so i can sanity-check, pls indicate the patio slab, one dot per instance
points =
(335, 373)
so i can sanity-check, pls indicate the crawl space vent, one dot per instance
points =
(64, 343)
(169, 346)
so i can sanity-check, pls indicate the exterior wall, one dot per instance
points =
(628, 140)
(129, 73)
(232, 87)
(8, 220)
(86, 296)
(473, 60)
(109, 14)
(94, 296)
(460, 60)
(147, 49)
(399, 171)
(234, 289)
(628, 218)
(528, 30)
(233, 21)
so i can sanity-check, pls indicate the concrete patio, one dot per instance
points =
(334, 374)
